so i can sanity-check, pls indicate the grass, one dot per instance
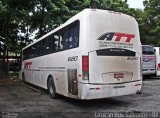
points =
(13, 75)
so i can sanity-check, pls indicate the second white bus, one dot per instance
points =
(157, 66)
(149, 60)
(95, 54)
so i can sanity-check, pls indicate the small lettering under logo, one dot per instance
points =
(132, 58)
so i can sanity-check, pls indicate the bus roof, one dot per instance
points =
(74, 18)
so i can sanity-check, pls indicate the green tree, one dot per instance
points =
(49, 14)
(19, 19)
(114, 5)
(151, 22)
(75, 6)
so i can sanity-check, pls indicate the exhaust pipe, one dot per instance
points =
(138, 92)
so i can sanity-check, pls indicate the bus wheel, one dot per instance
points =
(51, 88)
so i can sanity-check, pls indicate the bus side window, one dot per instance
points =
(55, 42)
(25, 54)
(74, 35)
(30, 52)
(43, 52)
(34, 48)
(61, 38)
(64, 39)
(49, 44)
(38, 49)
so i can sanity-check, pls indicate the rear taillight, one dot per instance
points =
(158, 67)
(85, 68)
(141, 73)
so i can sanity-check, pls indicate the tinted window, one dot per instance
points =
(115, 52)
(33, 51)
(64, 39)
(25, 54)
(55, 42)
(147, 50)
(74, 35)
(38, 49)
(64, 36)
(43, 51)
(49, 44)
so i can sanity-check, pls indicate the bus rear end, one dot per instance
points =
(112, 64)
(149, 60)
(157, 54)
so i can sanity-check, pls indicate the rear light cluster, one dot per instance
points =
(85, 68)
(141, 64)
(158, 67)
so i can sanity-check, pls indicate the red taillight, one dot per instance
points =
(141, 74)
(158, 67)
(85, 67)
(85, 64)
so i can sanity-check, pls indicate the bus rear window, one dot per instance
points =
(147, 50)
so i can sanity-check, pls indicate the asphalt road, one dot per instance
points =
(20, 100)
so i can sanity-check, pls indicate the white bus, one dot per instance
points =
(157, 54)
(149, 60)
(95, 54)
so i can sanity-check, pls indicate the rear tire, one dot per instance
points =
(51, 88)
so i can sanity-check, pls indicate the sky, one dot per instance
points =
(136, 4)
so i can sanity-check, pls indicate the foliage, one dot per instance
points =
(151, 22)
(48, 15)
(19, 19)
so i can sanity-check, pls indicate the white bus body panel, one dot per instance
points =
(102, 68)
(157, 53)
(103, 71)
(55, 65)
(95, 91)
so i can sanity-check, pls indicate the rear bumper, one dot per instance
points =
(92, 91)
(149, 72)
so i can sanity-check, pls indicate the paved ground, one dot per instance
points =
(19, 100)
